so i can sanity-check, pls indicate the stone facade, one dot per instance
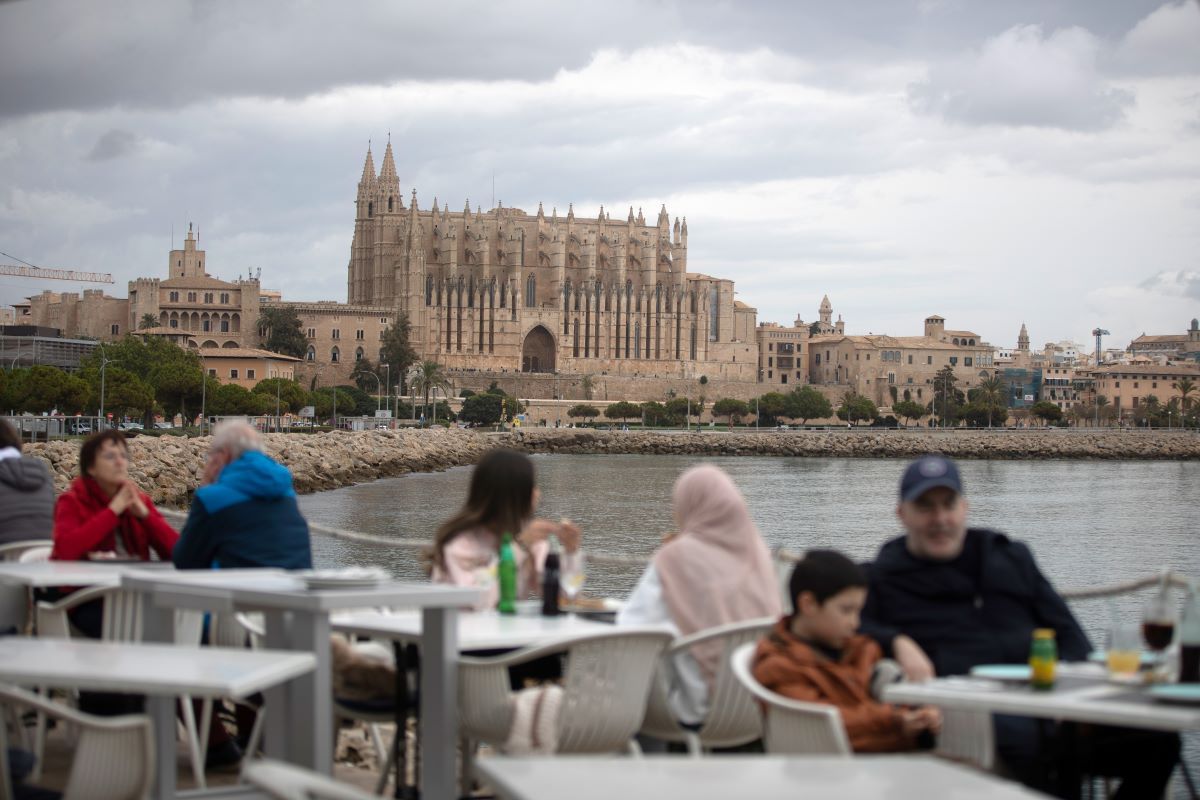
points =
(92, 314)
(213, 312)
(511, 291)
(783, 355)
(874, 365)
(247, 366)
(1127, 386)
(1171, 346)
(339, 335)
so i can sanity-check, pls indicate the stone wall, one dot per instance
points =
(569, 386)
(169, 467)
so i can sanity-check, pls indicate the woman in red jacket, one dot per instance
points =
(104, 511)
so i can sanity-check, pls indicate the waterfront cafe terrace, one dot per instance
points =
(269, 634)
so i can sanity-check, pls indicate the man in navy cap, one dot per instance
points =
(944, 598)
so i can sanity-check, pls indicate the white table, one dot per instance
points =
(299, 724)
(50, 574)
(758, 777)
(479, 630)
(159, 671)
(1073, 699)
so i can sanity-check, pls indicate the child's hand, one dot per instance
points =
(932, 717)
(915, 720)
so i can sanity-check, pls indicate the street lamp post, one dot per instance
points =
(203, 390)
(104, 362)
(387, 381)
(17, 358)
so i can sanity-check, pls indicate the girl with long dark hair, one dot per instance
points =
(502, 498)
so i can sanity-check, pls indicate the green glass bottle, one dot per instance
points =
(508, 577)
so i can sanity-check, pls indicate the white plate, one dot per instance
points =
(1187, 693)
(349, 578)
(1020, 673)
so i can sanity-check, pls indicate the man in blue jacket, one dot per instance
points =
(944, 598)
(245, 513)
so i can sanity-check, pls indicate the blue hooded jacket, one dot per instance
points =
(248, 518)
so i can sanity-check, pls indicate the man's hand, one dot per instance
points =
(916, 665)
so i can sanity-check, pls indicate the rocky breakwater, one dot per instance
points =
(169, 468)
(1039, 444)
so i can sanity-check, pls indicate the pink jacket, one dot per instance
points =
(472, 558)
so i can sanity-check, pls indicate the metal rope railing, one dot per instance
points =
(1170, 577)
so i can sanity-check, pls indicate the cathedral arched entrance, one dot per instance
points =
(537, 351)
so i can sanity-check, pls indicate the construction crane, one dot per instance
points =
(55, 274)
(1098, 332)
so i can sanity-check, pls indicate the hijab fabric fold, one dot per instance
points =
(718, 569)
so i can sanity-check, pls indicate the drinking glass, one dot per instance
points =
(572, 582)
(1158, 627)
(1123, 655)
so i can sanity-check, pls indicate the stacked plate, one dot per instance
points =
(348, 578)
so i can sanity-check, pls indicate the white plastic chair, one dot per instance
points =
(36, 554)
(122, 622)
(732, 719)
(792, 727)
(968, 736)
(285, 782)
(113, 757)
(14, 550)
(605, 687)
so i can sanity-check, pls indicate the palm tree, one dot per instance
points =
(431, 376)
(1101, 407)
(1185, 386)
(991, 392)
(148, 321)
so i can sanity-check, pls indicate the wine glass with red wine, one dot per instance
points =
(1158, 625)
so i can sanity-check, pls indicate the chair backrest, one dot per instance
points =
(286, 782)
(606, 684)
(121, 620)
(733, 718)
(605, 687)
(791, 727)
(36, 554)
(113, 757)
(14, 550)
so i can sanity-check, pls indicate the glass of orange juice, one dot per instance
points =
(1124, 650)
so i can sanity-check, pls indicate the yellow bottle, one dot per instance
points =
(1043, 659)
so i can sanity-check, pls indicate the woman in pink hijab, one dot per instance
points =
(714, 571)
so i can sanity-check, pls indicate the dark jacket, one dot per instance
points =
(981, 608)
(83, 523)
(26, 500)
(248, 518)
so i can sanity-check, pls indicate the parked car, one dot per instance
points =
(130, 426)
(79, 427)
(162, 426)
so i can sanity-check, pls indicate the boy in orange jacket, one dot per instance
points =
(816, 656)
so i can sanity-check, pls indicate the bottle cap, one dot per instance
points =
(1043, 633)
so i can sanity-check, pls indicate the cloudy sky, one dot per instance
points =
(1030, 161)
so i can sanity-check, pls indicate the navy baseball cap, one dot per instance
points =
(929, 472)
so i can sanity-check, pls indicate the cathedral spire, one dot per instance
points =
(387, 174)
(368, 176)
